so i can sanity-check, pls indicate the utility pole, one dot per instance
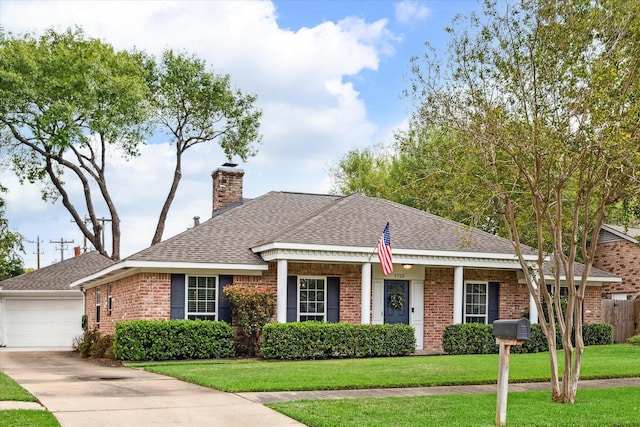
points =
(86, 221)
(38, 253)
(62, 247)
(102, 221)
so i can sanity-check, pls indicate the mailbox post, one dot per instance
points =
(507, 333)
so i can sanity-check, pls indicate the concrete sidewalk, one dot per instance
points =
(83, 393)
(285, 396)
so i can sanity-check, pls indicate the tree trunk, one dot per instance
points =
(162, 219)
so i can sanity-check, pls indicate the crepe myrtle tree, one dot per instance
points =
(542, 97)
(195, 106)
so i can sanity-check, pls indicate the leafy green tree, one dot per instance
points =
(195, 106)
(68, 102)
(542, 95)
(419, 171)
(11, 264)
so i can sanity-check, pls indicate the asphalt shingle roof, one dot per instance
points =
(284, 217)
(60, 275)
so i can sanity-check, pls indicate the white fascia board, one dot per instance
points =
(619, 234)
(591, 280)
(40, 293)
(276, 248)
(129, 267)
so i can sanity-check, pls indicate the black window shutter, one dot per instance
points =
(177, 296)
(333, 299)
(494, 302)
(224, 307)
(292, 299)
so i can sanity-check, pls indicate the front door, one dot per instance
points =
(396, 301)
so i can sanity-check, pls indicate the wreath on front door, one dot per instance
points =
(396, 301)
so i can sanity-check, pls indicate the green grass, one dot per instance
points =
(612, 361)
(11, 390)
(28, 417)
(594, 407)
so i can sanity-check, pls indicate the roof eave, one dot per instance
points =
(130, 267)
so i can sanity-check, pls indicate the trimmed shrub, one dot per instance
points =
(317, 340)
(477, 338)
(634, 340)
(537, 343)
(597, 334)
(251, 308)
(138, 340)
(469, 338)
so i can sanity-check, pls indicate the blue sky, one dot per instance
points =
(328, 76)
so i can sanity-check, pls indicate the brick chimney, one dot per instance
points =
(227, 186)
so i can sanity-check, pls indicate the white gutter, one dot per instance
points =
(128, 267)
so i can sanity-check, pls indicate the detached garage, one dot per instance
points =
(38, 309)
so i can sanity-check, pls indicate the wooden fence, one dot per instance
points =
(624, 316)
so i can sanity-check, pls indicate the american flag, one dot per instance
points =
(384, 251)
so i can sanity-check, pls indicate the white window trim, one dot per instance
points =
(326, 286)
(98, 312)
(188, 313)
(109, 297)
(486, 302)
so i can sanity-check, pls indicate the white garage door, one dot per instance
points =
(42, 322)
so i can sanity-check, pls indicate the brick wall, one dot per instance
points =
(141, 296)
(592, 306)
(621, 258)
(438, 305)
(147, 296)
(438, 299)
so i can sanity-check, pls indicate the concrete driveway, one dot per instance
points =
(83, 393)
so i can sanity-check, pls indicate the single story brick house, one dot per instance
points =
(618, 252)
(317, 254)
(38, 309)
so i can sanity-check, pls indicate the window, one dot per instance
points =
(109, 299)
(312, 298)
(201, 298)
(475, 302)
(97, 305)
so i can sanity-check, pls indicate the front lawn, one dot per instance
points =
(594, 407)
(611, 361)
(28, 417)
(11, 390)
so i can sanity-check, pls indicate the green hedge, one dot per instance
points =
(173, 339)
(316, 340)
(477, 338)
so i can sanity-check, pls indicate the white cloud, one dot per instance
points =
(409, 11)
(311, 113)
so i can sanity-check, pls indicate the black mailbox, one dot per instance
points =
(519, 329)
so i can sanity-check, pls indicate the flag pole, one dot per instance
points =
(375, 247)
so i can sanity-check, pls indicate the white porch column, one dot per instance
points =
(533, 309)
(458, 294)
(282, 291)
(366, 294)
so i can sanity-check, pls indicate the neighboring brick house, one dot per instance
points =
(618, 253)
(38, 309)
(317, 254)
